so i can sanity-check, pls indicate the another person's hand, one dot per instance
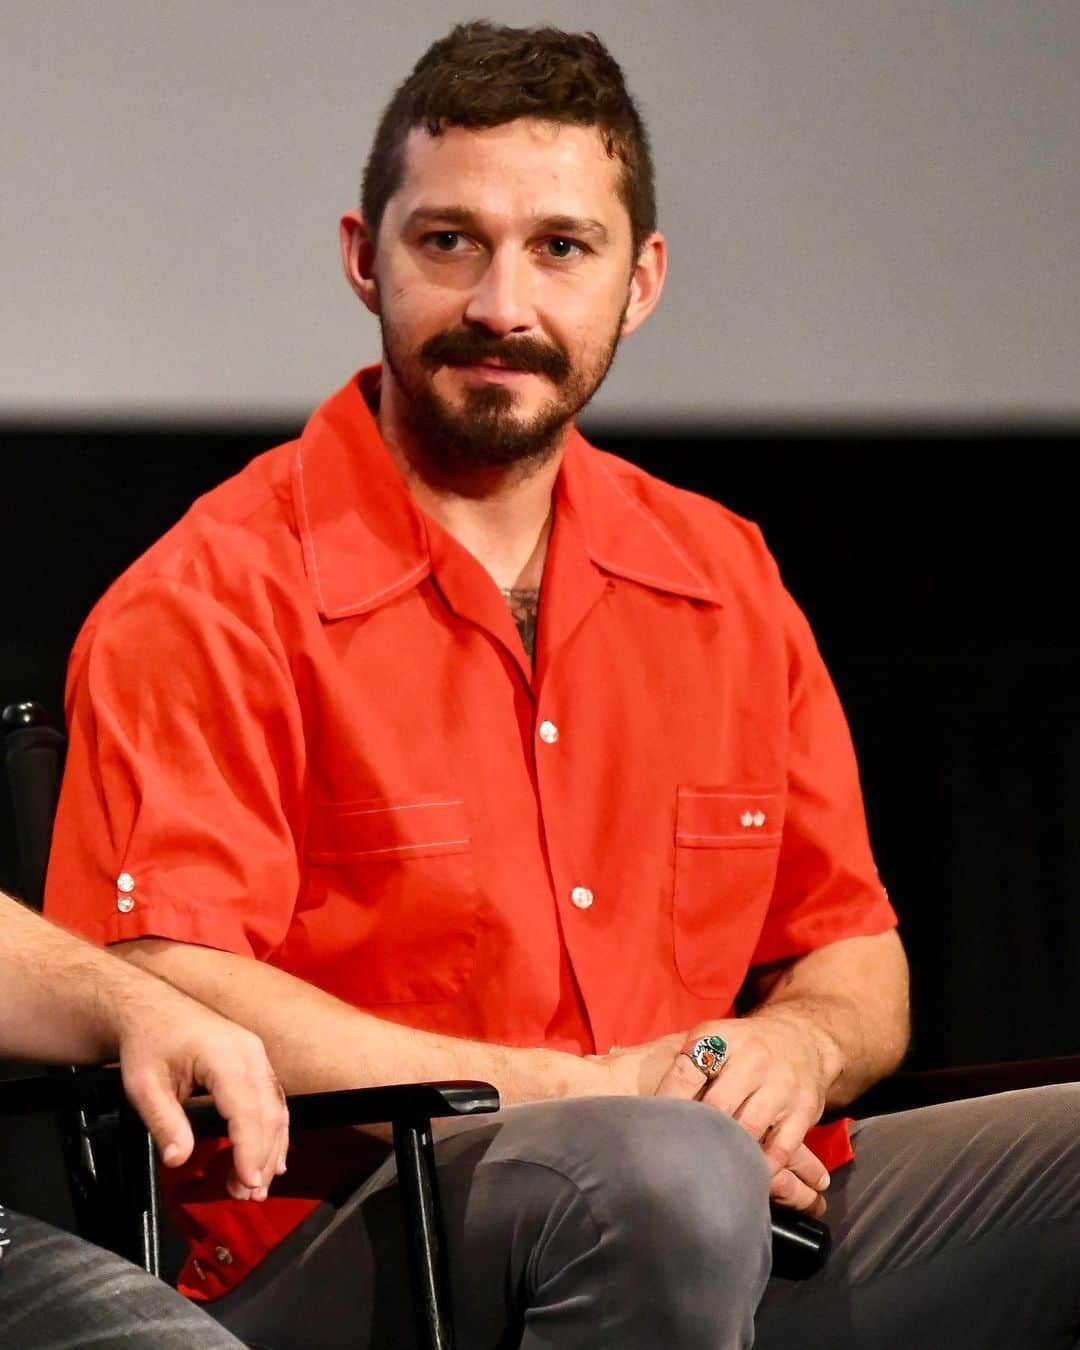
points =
(170, 1046)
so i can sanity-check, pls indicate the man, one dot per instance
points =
(438, 743)
(68, 1002)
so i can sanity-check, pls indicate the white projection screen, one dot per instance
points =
(872, 206)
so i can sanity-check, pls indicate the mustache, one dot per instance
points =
(461, 347)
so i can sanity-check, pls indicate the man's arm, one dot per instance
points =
(319, 1043)
(853, 996)
(68, 1002)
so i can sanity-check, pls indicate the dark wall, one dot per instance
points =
(937, 569)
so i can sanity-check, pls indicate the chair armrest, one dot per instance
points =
(405, 1102)
(928, 1087)
(100, 1090)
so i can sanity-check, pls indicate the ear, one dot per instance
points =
(358, 258)
(646, 282)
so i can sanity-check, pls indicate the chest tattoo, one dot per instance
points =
(524, 604)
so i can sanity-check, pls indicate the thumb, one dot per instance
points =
(153, 1096)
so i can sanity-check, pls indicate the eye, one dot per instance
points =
(558, 247)
(446, 241)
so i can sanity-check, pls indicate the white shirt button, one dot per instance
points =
(125, 904)
(746, 819)
(582, 897)
(549, 733)
(125, 882)
(759, 819)
(223, 1255)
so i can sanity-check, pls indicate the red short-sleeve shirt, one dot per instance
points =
(303, 728)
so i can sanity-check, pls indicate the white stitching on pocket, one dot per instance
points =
(405, 806)
(400, 848)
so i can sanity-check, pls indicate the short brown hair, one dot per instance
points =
(484, 75)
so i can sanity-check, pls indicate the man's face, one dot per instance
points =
(502, 275)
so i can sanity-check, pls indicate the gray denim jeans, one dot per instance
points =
(60, 1293)
(643, 1225)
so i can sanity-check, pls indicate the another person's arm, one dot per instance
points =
(319, 1043)
(66, 1001)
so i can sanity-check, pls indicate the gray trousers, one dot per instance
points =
(58, 1293)
(641, 1224)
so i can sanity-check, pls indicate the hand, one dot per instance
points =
(638, 1070)
(774, 1083)
(168, 1045)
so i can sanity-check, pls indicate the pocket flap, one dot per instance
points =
(388, 831)
(728, 817)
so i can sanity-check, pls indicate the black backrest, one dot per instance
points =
(70, 1167)
(34, 758)
(33, 1174)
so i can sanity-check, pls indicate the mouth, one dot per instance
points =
(492, 369)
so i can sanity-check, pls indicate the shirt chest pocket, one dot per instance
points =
(391, 899)
(727, 843)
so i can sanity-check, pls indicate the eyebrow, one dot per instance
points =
(461, 215)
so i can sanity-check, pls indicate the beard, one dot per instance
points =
(484, 432)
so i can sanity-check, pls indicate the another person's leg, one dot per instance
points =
(58, 1293)
(957, 1226)
(641, 1224)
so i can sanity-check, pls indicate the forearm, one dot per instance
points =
(851, 997)
(317, 1042)
(61, 996)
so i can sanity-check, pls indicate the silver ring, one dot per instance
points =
(708, 1054)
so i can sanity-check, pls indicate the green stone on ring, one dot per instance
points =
(708, 1054)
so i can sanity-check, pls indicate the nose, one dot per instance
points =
(501, 301)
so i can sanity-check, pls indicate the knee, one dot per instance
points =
(662, 1204)
(688, 1176)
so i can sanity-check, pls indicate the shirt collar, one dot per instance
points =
(366, 541)
(364, 538)
(621, 533)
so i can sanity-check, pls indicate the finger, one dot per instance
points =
(683, 1079)
(153, 1095)
(249, 1097)
(789, 1128)
(761, 1111)
(258, 1135)
(739, 1078)
(787, 1189)
(808, 1167)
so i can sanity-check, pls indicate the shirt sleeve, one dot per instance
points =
(827, 886)
(182, 786)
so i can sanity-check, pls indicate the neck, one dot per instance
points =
(501, 514)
